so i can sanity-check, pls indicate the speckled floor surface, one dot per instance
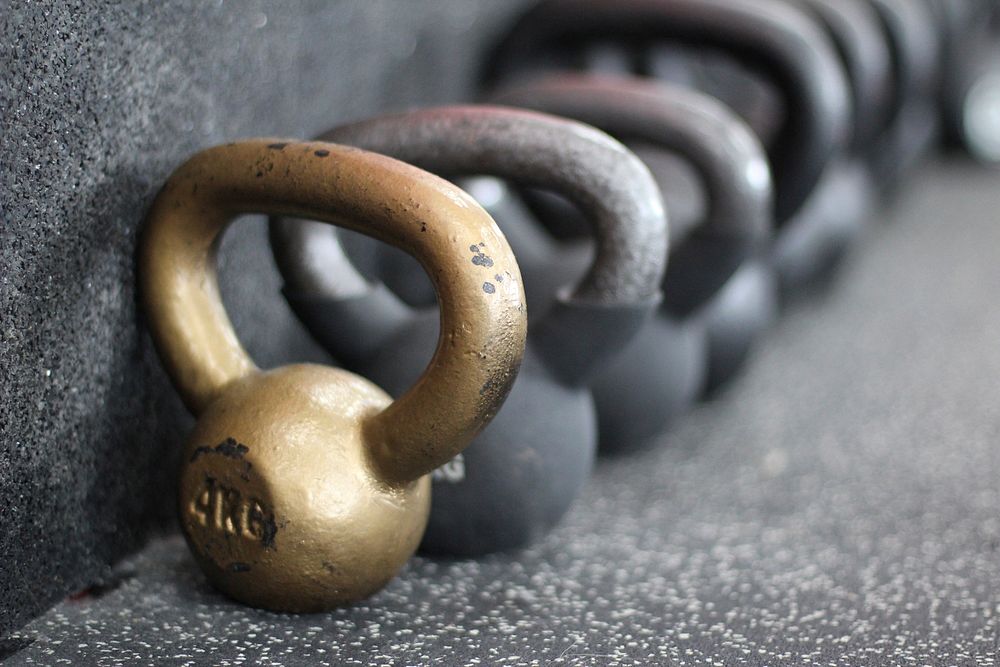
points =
(839, 506)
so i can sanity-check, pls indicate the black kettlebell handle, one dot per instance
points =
(914, 45)
(612, 187)
(722, 149)
(857, 32)
(779, 39)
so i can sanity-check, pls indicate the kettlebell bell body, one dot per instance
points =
(517, 479)
(546, 263)
(970, 88)
(977, 97)
(243, 494)
(306, 487)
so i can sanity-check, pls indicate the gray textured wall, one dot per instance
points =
(99, 102)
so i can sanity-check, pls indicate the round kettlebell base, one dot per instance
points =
(277, 498)
(657, 377)
(520, 475)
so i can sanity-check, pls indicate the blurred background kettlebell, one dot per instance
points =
(970, 89)
(914, 126)
(663, 371)
(783, 44)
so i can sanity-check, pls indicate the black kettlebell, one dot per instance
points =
(976, 92)
(847, 196)
(810, 246)
(914, 46)
(520, 474)
(661, 372)
(856, 30)
(970, 86)
(781, 41)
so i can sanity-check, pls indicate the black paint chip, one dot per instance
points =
(228, 448)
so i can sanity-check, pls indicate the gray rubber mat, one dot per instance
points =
(840, 505)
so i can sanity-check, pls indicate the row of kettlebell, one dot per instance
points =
(306, 487)
(857, 81)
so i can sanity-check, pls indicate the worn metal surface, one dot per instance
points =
(305, 487)
(833, 218)
(99, 102)
(838, 506)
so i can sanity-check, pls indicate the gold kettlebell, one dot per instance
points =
(306, 487)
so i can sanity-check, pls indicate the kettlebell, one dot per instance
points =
(976, 95)
(772, 36)
(662, 372)
(856, 30)
(847, 197)
(306, 487)
(915, 126)
(546, 263)
(522, 472)
(970, 89)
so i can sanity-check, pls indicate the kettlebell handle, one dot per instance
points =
(723, 150)
(857, 30)
(612, 187)
(914, 46)
(772, 35)
(482, 334)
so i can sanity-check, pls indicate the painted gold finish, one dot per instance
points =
(305, 487)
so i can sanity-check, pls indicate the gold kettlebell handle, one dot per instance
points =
(483, 318)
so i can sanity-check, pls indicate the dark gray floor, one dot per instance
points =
(839, 506)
